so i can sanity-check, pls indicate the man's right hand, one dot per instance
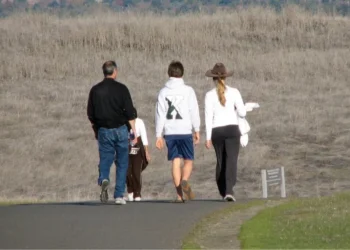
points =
(159, 143)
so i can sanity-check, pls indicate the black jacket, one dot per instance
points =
(110, 105)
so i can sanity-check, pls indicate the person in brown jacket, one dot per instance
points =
(139, 158)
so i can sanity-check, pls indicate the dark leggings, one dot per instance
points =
(226, 142)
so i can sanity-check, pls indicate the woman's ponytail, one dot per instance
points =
(220, 88)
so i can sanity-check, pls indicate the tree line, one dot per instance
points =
(341, 7)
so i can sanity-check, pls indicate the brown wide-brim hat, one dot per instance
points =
(219, 70)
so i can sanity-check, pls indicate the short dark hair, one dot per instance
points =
(176, 69)
(109, 67)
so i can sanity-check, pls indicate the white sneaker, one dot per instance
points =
(120, 201)
(229, 197)
(130, 196)
(138, 199)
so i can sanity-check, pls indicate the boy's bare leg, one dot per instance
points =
(176, 171)
(186, 174)
(187, 170)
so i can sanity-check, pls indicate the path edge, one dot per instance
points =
(191, 240)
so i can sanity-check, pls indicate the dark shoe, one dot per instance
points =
(104, 191)
(187, 190)
(178, 201)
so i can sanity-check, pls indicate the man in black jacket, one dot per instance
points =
(110, 110)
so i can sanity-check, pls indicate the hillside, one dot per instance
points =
(341, 7)
(294, 64)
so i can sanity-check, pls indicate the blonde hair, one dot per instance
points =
(220, 89)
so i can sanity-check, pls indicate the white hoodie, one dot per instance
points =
(177, 111)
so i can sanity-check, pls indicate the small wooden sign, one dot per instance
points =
(273, 177)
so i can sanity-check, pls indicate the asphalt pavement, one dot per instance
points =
(93, 225)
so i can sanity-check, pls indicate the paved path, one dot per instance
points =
(146, 225)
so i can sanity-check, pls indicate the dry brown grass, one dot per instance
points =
(297, 66)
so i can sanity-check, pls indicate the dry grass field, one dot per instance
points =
(294, 64)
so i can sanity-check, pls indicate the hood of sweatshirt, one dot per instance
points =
(174, 83)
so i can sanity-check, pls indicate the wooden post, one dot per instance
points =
(283, 184)
(264, 183)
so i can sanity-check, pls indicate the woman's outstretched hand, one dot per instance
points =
(249, 106)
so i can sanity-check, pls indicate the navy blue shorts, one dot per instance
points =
(180, 146)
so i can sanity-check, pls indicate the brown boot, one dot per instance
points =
(187, 190)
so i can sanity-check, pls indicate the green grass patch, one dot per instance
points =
(190, 241)
(301, 224)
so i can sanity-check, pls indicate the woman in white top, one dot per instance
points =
(138, 160)
(223, 106)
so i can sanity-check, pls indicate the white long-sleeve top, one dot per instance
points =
(141, 131)
(217, 115)
(177, 110)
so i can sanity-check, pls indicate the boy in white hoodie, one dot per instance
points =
(177, 115)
